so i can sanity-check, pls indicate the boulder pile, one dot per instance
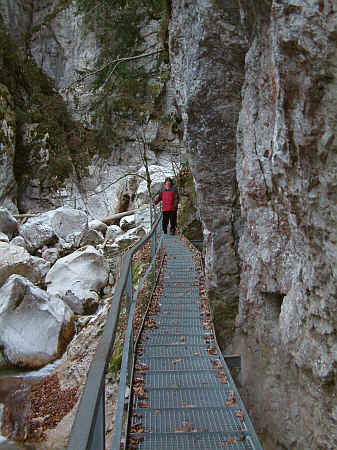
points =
(52, 272)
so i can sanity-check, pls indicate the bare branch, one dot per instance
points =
(116, 62)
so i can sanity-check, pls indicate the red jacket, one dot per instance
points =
(169, 199)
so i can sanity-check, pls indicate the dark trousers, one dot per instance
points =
(169, 216)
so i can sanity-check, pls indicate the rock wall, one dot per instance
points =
(7, 150)
(287, 179)
(61, 161)
(207, 66)
(284, 151)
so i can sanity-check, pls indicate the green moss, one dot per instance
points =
(188, 222)
(116, 357)
(224, 315)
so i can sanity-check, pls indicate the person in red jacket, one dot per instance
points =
(169, 199)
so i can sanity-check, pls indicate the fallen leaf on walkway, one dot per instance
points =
(187, 428)
(143, 404)
(137, 428)
(239, 414)
(216, 364)
(175, 361)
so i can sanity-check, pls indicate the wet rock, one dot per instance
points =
(35, 327)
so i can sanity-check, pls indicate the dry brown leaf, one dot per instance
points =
(175, 361)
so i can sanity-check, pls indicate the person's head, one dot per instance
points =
(168, 182)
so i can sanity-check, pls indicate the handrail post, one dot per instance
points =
(98, 439)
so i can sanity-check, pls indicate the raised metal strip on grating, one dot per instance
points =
(169, 321)
(183, 379)
(186, 363)
(176, 340)
(187, 397)
(204, 420)
(183, 441)
(178, 330)
(175, 351)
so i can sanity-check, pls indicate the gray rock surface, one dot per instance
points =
(8, 188)
(89, 237)
(77, 278)
(16, 260)
(35, 328)
(207, 51)
(112, 232)
(19, 242)
(62, 225)
(97, 225)
(8, 224)
(3, 237)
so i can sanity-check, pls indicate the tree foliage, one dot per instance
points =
(118, 80)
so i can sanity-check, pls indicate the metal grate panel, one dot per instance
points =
(200, 441)
(176, 340)
(185, 363)
(205, 420)
(178, 380)
(173, 351)
(175, 397)
(187, 398)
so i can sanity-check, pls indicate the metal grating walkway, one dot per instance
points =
(183, 394)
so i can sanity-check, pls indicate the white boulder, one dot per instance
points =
(50, 254)
(112, 232)
(35, 328)
(89, 237)
(19, 241)
(67, 222)
(3, 237)
(8, 223)
(77, 278)
(143, 218)
(16, 260)
(127, 222)
(62, 224)
(130, 237)
(97, 225)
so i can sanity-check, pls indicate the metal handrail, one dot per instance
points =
(88, 431)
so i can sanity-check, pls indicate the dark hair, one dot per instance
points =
(169, 179)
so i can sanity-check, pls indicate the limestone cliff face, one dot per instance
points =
(7, 150)
(284, 151)
(207, 65)
(287, 178)
(54, 151)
